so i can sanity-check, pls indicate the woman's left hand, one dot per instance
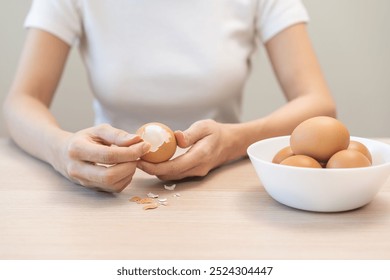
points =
(210, 145)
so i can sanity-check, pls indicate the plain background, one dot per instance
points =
(351, 39)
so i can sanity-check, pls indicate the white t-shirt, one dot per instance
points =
(172, 61)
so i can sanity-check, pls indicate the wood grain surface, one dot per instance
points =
(226, 215)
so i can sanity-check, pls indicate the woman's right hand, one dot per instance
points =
(100, 157)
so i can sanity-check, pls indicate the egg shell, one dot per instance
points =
(167, 148)
(355, 145)
(348, 159)
(301, 161)
(319, 137)
(282, 154)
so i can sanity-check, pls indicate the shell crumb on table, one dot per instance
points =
(153, 201)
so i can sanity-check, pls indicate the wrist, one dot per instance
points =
(55, 143)
(242, 135)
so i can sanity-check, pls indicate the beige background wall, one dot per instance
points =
(351, 38)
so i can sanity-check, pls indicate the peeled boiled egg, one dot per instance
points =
(301, 161)
(355, 145)
(348, 159)
(282, 154)
(162, 141)
(319, 138)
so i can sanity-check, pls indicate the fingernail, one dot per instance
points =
(132, 138)
(182, 134)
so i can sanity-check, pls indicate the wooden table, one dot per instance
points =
(227, 215)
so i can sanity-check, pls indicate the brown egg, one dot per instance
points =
(319, 138)
(282, 154)
(301, 161)
(162, 140)
(355, 145)
(348, 159)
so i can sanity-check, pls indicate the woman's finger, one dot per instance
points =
(107, 178)
(196, 171)
(194, 133)
(195, 156)
(116, 188)
(108, 135)
(97, 153)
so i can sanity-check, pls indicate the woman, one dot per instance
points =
(182, 63)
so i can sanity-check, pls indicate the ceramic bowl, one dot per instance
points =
(322, 190)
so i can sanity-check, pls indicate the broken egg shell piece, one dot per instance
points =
(145, 200)
(152, 195)
(164, 203)
(135, 199)
(150, 206)
(170, 188)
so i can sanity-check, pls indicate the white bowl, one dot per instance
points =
(322, 190)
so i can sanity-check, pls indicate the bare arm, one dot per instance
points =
(300, 77)
(34, 128)
(299, 74)
(26, 108)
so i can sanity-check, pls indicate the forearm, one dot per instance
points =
(33, 127)
(299, 74)
(74, 155)
(26, 108)
(280, 122)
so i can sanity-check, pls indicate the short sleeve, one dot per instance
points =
(59, 17)
(276, 15)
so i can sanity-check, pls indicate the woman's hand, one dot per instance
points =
(211, 144)
(100, 157)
